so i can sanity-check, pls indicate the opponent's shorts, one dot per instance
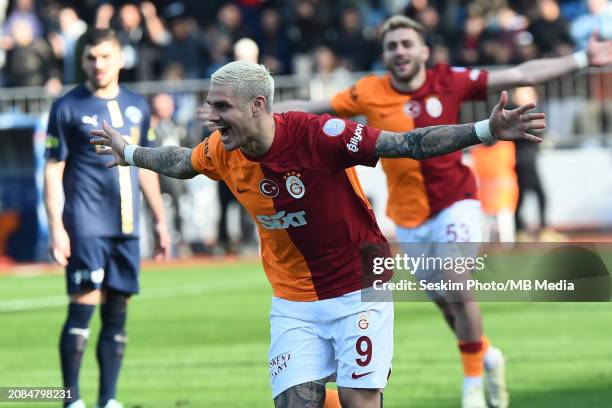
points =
(97, 263)
(459, 223)
(344, 336)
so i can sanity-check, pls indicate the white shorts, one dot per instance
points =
(311, 341)
(461, 222)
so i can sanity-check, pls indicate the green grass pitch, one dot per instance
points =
(198, 337)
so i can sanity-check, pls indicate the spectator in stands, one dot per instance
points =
(351, 38)
(599, 18)
(141, 42)
(550, 30)
(504, 37)
(229, 21)
(468, 51)
(331, 77)
(24, 10)
(30, 62)
(597, 109)
(247, 50)
(64, 42)
(168, 133)
(528, 176)
(273, 41)
(307, 32)
(187, 47)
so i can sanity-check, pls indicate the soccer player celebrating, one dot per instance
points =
(96, 237)
(435, 200)
(293, 173)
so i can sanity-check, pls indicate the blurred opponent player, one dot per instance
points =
(435, 200)
(293, 173)
(96, 237)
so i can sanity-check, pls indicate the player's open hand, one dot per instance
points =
(59, 245)
(599, 51)
(162, 242)
(115, 143)
(516, 124)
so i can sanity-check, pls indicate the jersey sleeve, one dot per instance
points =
(346, 103)
(203, 157)
(470, 84)
(341, 143)
(57, 132)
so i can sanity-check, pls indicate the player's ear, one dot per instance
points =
(426, 53)
(258, 105)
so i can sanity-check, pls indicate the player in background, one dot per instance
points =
(294, 174)
(96, 235)
(436, 200)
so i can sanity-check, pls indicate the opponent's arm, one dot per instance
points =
(171, 161)
(597, 54)
(434, 141)
(149, 184)
(59, 241)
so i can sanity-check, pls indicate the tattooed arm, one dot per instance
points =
(426, 142)
(438, 140)
(171, 161)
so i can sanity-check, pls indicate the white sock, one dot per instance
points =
(492, 357)
(469, 382)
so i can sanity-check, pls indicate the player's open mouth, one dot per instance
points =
(223, 129)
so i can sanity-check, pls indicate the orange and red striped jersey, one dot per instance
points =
(315, 223)
(418, 189)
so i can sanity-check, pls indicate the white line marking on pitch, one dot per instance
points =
(19, 305)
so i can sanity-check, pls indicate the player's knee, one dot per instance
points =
(113, 313)
(90, 297)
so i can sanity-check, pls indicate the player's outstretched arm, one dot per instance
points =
(597, 54)
(434, 141)
(171, 161)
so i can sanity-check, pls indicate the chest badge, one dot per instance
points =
(412, 109)
(433, 106)
(268, 188)
(294, 184)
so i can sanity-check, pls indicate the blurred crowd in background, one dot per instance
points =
(41, 44)
(39, 40)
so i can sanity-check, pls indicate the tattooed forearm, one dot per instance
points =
(307, 395)
(426, 142)
(172, 161)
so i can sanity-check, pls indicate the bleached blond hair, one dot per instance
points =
(246, 79)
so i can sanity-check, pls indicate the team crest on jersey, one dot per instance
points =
(90, 120)
(268, 188)
(133, 114)
(294, 184)
(412, 109)
(363, 322)
(433, 106)
(334, 127)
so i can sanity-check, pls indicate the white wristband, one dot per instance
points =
(483, 132)
(581, 58)
(128, 153)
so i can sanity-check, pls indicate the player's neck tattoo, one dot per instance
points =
(426, 142)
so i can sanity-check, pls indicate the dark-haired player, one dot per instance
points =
(96, 235)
